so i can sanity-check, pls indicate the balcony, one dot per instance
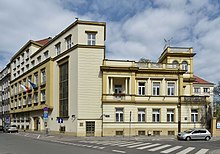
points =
(195, 99)
(156, 65)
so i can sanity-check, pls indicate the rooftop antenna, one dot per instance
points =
(76, 18)
(167, 42)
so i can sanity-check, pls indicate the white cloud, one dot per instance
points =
(135, 29)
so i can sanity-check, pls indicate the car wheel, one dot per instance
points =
(207, 138)
(188, 138)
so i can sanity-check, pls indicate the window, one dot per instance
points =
(175, 62)
(35, 97)
(39, 59)
(156, 115)
(170, 115)
(141, 115)
(194, 115)
(43, 76)
(27, 66)
(18, 62)
(63, 82)
(141, 88)
(27, 53)
(185, 65)
(22, 58)
(58, 48)
(43, 96)
(29, 99)
(156, 88)
(196, 90)
(91, 38)
(171, 89)
(68, 42)
(36, 78)
(119, 114)
(206, 90)
(32, 63)
(118, 89)
(46, 53)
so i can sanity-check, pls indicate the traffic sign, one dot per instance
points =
(45, 115)
(60, 120)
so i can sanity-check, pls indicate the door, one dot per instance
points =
(195, 134)
(36, 122)
(90, 128)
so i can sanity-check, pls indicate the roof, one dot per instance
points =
(43, 41)
(199, 80)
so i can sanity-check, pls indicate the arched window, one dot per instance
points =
(175, 64)
(185, 65)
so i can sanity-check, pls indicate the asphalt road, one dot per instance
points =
(32, 144)
(14, 144)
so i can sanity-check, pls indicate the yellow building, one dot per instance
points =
(66, 84)
(145, 98)
(57, 83)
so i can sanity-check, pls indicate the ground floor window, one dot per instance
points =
(119, 133)
(156, 132)
(141, 132)
(171, 132)
(194, 115)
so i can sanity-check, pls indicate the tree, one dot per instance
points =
(144, 60)
(217, 89)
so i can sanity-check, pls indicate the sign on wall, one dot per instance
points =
(218, 125)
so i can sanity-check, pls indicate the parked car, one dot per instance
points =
(11, 129)
(1, 128)
(194, 134)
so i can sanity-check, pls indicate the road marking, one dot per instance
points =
(118, 151)
(186, 150)
(26, 134)
(120, 143)
(124, 145)
(202, 151)
(160, 147)
(148, 146)
(171, 149)
(134, 146)
(38, 136)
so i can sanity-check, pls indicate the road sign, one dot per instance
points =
(60, 120)
(45, 115)
(46, 109)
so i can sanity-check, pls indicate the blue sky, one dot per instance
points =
(135, 28)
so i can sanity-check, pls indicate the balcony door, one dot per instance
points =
(118, 89)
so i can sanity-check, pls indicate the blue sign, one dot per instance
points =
(218, 125)
(60, 120)
(45, 115)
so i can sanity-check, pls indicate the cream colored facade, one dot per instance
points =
(81, 47)
(94, 96)
(151, 98)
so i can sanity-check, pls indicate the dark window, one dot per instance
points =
(64, 90)
(202, 131)
(196, 132)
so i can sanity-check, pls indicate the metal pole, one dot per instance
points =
(130, 126)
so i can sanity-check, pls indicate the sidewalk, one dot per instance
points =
(65, 137)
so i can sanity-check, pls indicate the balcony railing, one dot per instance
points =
(197, 99)
(157, 65)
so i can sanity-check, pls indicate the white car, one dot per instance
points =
(11, 129)
(194, 134)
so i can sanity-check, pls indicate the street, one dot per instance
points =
(27, 143)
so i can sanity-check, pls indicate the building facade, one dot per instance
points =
(5, 96)
(66, 84)
(62, 77)
(151, 98)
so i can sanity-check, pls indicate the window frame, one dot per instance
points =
(141, 88)
(155, 115)
(142, 113)
(91, 38)
(119, 112)
(171, 89)
(156, 89)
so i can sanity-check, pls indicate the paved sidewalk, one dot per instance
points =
(64, 137)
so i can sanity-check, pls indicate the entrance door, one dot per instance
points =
(36, 122)
(90, 128)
